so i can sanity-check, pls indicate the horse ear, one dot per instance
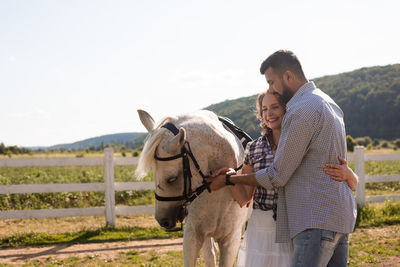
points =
(176, 143)
(147, 120)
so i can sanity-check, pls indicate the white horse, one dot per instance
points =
(210, 215)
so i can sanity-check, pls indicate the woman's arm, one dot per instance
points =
(342, 173)
(243, 194)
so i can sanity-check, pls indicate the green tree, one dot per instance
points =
(350, 143)
(396, 143)
(363, 141)
(385, 144)
(2, 149)
(375, 142)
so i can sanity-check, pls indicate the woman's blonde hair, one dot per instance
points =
(265, 129)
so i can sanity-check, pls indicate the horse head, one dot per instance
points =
(168, 175)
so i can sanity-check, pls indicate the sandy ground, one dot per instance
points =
(107, 250)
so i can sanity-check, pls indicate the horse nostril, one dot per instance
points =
(165, 223)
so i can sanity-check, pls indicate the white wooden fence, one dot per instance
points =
(109, 187)
(359, 159)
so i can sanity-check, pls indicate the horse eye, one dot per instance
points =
(172, 179)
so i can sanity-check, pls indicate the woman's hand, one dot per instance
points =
(224, 171)
(217, 180)
(342, 173)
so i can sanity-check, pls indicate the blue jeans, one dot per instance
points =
(317, 247)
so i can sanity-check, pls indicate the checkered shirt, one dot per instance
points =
(312, 135)
(258, 154)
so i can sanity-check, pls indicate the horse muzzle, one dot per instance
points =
(176, 215)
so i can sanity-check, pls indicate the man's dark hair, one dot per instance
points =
(281, 61)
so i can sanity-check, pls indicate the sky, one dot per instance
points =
(71, 70)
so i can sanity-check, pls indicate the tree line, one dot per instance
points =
(370, 143)
(8, 150)
(134, 148)
(125, 150)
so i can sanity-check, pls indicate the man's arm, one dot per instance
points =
(293, 144)
(218, 180)
(296, 135)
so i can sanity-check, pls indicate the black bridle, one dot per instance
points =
(188, 195)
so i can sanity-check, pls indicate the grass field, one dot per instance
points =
(376, 241)
(69, 174)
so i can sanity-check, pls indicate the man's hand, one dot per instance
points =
(217, 180)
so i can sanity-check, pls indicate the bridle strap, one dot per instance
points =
(187, 174)
(189, 151)
(188, 194)
(168, 158)
(238, 168)
(160, 198)
(171, 127)
(189, 198)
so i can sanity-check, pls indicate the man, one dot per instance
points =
(314, 211)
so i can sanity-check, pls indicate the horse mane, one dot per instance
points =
(151, 142)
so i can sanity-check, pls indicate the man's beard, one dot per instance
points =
(286, 93)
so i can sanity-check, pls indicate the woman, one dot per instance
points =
(258, 247)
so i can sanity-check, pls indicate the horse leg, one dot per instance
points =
(209, 252)
(191, 247)
(228, 249)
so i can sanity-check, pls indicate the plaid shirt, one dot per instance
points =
(312, 135)
(258, 154)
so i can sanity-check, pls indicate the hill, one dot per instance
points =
(132, 140)
(369, 98)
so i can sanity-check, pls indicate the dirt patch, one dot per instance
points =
(108, 250)
(390, 262)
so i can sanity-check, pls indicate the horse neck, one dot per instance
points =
(228, 154)
(218, 147)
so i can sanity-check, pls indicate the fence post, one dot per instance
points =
(359, 164)
(109, 186)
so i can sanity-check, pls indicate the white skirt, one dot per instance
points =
(258, 247)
